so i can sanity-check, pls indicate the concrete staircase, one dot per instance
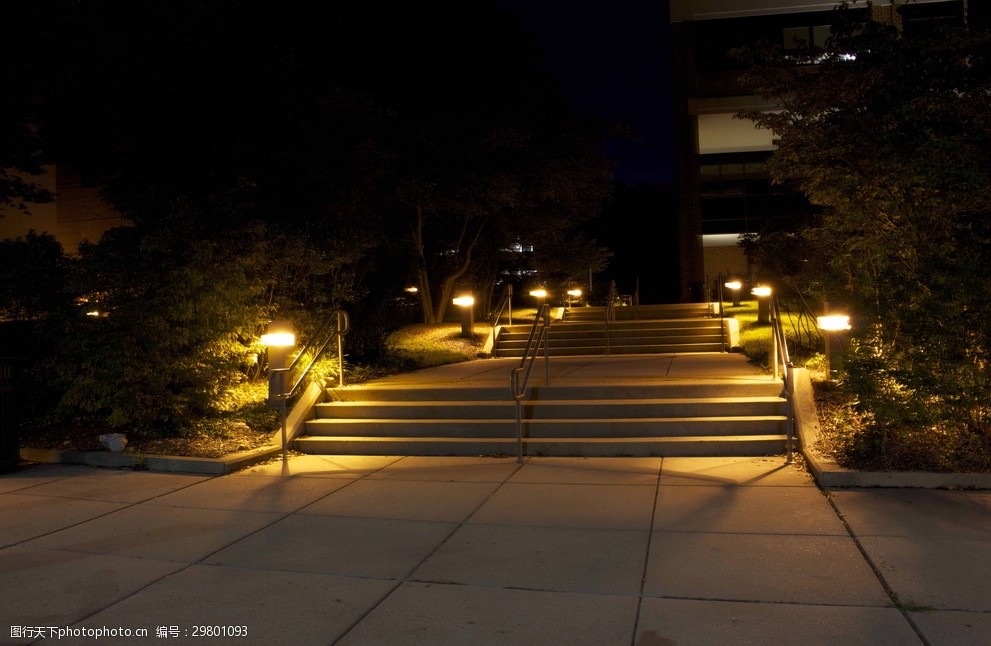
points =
(650, 329)
(699, 417)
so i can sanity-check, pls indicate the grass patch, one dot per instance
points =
(427, 346)
(756, 339)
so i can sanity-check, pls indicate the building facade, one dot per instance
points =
(724, 188)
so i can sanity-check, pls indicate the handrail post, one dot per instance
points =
(340, 347)
(545, 311)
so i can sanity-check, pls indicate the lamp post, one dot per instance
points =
(763, 294)
(734, 286)
(541, 294)
(827, 324)
(467, 304)
(573, 292)
(279, 338)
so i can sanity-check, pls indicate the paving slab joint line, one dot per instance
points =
(408, 577)
(892, 595)
(646, 558)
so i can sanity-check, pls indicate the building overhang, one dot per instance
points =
(685, 10)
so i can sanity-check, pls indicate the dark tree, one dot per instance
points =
(890, 134)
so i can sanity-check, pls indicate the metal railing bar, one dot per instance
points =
(538, 335)
(338, 324)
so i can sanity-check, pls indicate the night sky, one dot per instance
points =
(615, 61)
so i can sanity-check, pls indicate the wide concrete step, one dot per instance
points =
(561, 341)
(598, 350)
(682, 446)
(550, 428)
(641, 312)
(630, 328)
(558, 409)
(658, 389)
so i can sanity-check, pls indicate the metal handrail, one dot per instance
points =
(506, 300)
(538, 335)
(610, 315)
(335, 326)
(781, 356)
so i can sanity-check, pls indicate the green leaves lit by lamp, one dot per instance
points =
(734, 286)
(279, 339)
(829, 325)
(467, 304)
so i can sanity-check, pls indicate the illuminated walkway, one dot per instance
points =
(407, 550)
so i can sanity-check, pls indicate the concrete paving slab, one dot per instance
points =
(770, 568)
(167, 533)
(714, 365)
(362, 547)
(942, 573)
(112, 485)
(253, 493)
(746, 510)
(733, 471)
(26, 517)
(267, 607)
(448, 469)
(327, 466)
(913, 512)
(596, 368)
(540, 558)
(425, 613)
(35, 475)
(689, 622)
(942, 627)
(566, 505)
(431, 501)
(56, 588)
(618, 471)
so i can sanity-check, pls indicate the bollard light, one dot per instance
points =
(734, 286)
(763, 293)
(279, 338)
(467, 304)
(829, 324)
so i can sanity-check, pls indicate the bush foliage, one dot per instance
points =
(890, 137)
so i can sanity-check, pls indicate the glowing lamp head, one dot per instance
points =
(466, 300)
(734, 284)
(833, 322)
(280, 334)
(574, 292)
(279, 340)
(411, 290)
(538, 293)
(761, 291)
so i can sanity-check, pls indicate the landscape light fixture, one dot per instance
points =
(829, 324)
(539, 293)
(734, 286)
(574, 292)
(467, 304)
(279, 338)
(763, 293)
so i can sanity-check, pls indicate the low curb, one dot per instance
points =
(158, 463)
(831, 475)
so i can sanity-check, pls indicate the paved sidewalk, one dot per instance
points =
(415, 550)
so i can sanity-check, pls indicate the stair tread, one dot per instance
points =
(561, 402)
(583, 440)
(578, 420)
